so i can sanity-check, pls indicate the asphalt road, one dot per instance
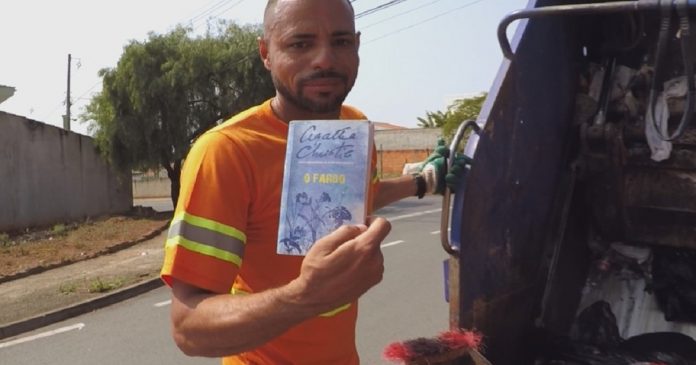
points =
(409, 303)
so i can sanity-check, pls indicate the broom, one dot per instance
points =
(446, 348)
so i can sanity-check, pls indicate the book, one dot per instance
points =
(326, 180)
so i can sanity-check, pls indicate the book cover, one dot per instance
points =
(325, 182)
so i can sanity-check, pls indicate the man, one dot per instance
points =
(222, 241)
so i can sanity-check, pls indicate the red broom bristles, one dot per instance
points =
(411, 350)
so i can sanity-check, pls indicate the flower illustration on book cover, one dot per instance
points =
(325, 181)
(311, 218)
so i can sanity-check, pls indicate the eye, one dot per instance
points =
(343, 42)
(299, 45)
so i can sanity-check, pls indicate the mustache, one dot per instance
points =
(324, 74)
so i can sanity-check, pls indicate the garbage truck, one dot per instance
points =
(572, 239)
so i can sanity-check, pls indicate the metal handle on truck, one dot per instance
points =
(445, 217)
(684, 9)
(577, 9)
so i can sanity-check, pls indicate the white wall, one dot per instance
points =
(49, 175)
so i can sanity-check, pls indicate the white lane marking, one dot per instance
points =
(391, 243)
(417, 214)
(57, 331)
(438, 231)
(163, 304)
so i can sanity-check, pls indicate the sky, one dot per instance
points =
(416, 56)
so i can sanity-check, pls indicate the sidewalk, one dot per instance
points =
(41, 299)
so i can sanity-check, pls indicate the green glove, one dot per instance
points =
(457, 172)
(434, 169)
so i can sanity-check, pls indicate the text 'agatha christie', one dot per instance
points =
(314, 144)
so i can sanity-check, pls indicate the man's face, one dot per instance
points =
(311, 49)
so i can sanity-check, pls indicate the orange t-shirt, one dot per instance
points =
(224, 233)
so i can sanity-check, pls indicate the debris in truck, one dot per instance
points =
(595, 340)
(596, 325)
(674, 283)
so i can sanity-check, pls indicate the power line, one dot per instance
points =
(187, 19)
(210, 10)
(89, 90)
(400, 14)
(378, 8)
(221, 12)
(230, 8)
(423, 21)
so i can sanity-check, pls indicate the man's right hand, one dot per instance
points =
(342, 266)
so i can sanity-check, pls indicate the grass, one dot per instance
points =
(93, 286)
(59, 229)
(99, 285)
(68, 288)
(72, 242)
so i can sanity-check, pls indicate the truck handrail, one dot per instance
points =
(665, 7)
(576, 9)
(445, 216)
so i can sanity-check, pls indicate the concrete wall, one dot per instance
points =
(407, 139)
(151, 185)
(48, 175)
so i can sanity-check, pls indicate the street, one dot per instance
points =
(409, 303)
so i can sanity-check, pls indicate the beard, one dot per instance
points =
(302, 102)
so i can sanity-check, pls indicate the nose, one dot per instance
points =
(324, 58)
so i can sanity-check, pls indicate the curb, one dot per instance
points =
(45, 319)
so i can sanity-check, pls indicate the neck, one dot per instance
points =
(287, 111)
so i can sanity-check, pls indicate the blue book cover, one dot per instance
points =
(325, 182)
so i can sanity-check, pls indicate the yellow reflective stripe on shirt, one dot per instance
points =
(335, 311)
(332, 313)
(236, 291)
(204, 249)
(210, 224)
(207, 237)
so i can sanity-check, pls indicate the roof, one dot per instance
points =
(384, 126)
(6, 92)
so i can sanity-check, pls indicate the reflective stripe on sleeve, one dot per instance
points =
(335, 311)
(207, 237)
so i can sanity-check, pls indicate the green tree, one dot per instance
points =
(459, 111)
(433, 119)
(462, 110)
(166, 91)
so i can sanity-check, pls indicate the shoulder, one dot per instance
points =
(351, 112)
(235, 129)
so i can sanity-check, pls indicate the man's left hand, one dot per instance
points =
(434, 169)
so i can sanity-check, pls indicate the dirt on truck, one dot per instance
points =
(574, 240)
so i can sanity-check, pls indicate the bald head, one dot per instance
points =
(311, 49)
(275, 7)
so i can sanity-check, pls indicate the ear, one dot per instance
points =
(263, 52)
(357, 40)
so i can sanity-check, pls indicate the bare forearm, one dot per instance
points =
(222, 325)
(393, 190)
(337, 269)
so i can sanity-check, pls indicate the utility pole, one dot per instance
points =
(66, 117)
